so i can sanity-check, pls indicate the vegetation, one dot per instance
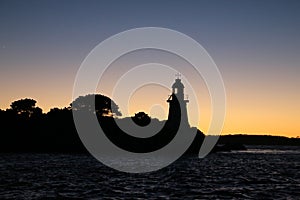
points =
(25, 128)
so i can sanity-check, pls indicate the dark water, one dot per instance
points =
(259, 173)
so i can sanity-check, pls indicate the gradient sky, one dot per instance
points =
(255, 44)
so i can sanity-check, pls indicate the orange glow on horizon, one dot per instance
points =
(253, 107)
(237, 121)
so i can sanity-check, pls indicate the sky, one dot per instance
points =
(255, 44)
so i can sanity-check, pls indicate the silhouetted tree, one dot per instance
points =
(25, 128)
(26, 108)
(2, 115)
(104, 106)
(55, 112)
(60, 133)
(141, 119)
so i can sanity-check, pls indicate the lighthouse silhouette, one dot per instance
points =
(178, 104)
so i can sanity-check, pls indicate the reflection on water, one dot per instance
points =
(258, 173)
(271, 150)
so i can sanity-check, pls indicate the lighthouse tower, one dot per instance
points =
(177, 103)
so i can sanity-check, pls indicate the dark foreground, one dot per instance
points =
(258, 173)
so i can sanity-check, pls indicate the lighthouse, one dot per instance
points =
(178, 104)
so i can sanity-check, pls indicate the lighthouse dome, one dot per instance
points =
(178, 84)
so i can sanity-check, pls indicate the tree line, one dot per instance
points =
(25, 128)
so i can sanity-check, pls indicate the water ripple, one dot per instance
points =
(256, 174)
